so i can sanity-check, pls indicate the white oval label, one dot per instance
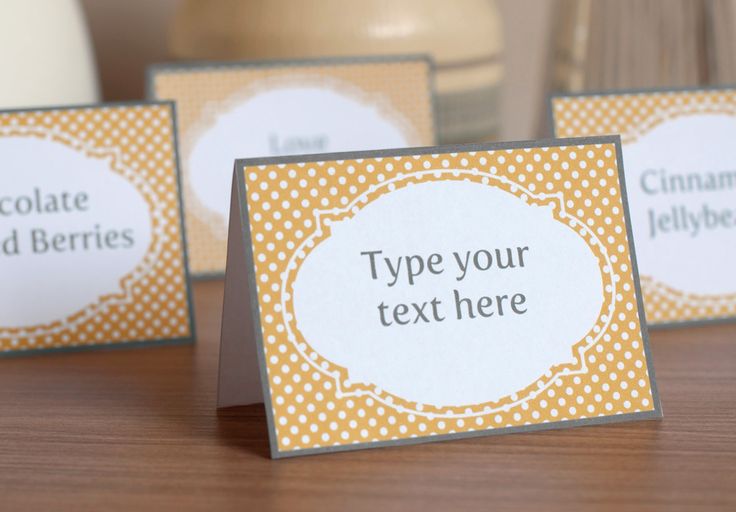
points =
(681, 182)
(70, 229)
(448, 293)
(286, 121)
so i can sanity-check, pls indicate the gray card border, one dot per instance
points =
(655, 413)
(133, 343)
(195, 66)
(716, 320)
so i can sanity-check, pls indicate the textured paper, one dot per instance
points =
(681, 173)
(91, 235)
(226, 111)
(337, 375)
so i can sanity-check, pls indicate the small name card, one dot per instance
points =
(681, 174)
(91, 235)
(263, 109)
(423, 294)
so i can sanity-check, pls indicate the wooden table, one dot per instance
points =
(137, 430)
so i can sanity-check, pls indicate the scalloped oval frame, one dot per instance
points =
(345, 388)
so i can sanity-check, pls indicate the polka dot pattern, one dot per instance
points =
(314, 405)
(631, 116)
(399, 89)
(138, 142)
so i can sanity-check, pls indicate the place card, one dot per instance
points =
(263, 109)
(681, 172)
(91, 232)
(423, 294)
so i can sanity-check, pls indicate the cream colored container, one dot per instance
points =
(463, 36)
(45, 54)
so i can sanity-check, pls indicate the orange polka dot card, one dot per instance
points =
(681, 173)
(423, 294)
(268, 109)
(91, 232)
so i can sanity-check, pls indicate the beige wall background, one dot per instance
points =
(128, 35)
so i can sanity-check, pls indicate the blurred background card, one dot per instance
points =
(283, 108)
(91, 234)
(680, 164)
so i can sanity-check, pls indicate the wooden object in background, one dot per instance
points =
(464, 37)
(624, 44)
(603, 45)
(720, 16)
(138, 430)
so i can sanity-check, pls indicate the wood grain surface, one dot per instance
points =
(138, 430)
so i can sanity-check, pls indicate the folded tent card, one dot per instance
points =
(260, 109)
(402, 296)
(91, 234)
(681, 173)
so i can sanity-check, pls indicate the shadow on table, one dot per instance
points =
(244, 427)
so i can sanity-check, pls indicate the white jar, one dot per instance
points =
(46, 57)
